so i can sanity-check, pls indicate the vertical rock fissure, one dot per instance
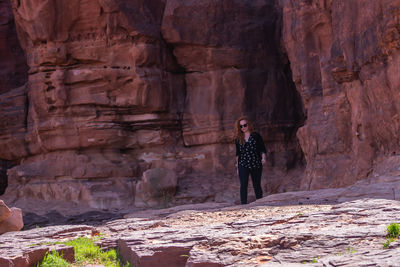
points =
(26, 113)
(13, 64)
(178, 70)
(288, 113)
(4, 165)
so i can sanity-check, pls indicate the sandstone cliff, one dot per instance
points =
(117, 87)
(345, 61)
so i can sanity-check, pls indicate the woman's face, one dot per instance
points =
(243, 126)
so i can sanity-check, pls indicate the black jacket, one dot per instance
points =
(260, 144)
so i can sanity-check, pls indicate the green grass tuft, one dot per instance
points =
(86, 252)
(393, 230)
(53, 259)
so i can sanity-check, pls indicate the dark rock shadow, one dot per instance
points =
(93, 218)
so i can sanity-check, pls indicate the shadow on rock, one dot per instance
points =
(94, 218)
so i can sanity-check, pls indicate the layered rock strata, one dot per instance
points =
(119, 87)
(101, 87)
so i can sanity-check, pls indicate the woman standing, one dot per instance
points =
(250, 156)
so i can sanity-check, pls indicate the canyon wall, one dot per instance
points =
(109, 90)
(345, 61)
(117, 87)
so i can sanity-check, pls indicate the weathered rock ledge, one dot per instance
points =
(346, 234)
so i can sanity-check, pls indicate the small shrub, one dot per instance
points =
(53, 259)
(393, 230)
(387, 243)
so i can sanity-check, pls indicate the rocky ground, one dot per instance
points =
(345, 234)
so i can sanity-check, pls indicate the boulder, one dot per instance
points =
(13, 222)
(156, 188)
(4, 211)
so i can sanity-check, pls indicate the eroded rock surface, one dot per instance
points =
(97, 92)
(118, 87)
(347, 234)
(345, 58)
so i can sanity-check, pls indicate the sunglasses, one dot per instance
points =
(243, 125)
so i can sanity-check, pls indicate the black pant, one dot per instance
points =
(244, 181)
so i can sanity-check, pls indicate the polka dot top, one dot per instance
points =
(250, 152)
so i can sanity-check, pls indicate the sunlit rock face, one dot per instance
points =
(345, 62)
(118, 87)
(101, 85)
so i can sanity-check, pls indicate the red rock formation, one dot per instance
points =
(117, 87)
(345, 61)
(100, 86)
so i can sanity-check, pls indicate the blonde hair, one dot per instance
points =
(239, 135)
